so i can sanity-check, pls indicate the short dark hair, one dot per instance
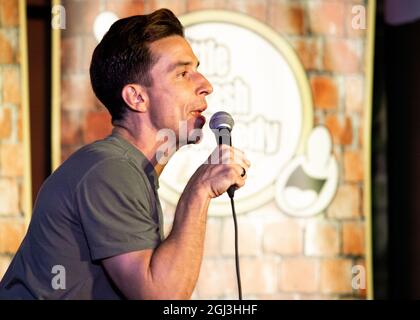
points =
(123, 56)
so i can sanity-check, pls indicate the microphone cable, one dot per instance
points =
(238, 273)
(222, 123)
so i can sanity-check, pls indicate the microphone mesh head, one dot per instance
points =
(220, 120)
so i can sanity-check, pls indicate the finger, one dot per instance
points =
(235, 179)
(239, 171)
(238, 152)
(231, 151)
(239, 182)
(243, 162)
(240, 157)
(234, 156)
(226, 154)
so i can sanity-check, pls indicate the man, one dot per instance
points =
(96, 230)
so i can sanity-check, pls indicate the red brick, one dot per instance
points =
(346, 203)
(318, 120)
(20, 126)
(217, 278)
(353, 166)
(11, 85)
(286, 18)
(327, 17)
(80, 15)
(126, 8)
(336, 276)
(342, 55)
(178, 7)
(299, 275)
(256, 8)
(309, 52)
(325, 92)
(22, 199)
(258, 275)
(4, 264)
(284, 237)
(9, 197)
(193, 5)
(340, 129)
(321, 239)
(70, 127)
(212, 245)
(354, 94)
(77, 93)
(5, 122)
(361, 134)
(11, 160)
(249, 242)
(71, 54)
(337, 153)
(97, 126)
(353, 238)
(6, 48)
(9, 13)
(89, 45)
(11, 235)
(266, 211)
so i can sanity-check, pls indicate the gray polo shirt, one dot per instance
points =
(99, 203)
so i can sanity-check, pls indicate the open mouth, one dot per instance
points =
(198, 119)
(199, 111)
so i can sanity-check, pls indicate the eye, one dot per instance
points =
(182, 74)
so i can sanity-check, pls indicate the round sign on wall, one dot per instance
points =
(259, 80)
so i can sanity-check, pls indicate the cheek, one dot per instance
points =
(169, 107)
(164, 114)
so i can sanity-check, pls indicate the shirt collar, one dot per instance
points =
(139, 158)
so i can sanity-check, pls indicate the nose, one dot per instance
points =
(205, 88)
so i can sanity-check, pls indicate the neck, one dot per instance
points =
(145, 141)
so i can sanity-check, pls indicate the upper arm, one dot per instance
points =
(131, 273)
(115, 212)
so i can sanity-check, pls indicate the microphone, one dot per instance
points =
(221, 123)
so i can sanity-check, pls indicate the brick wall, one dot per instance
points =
(12, 222)
(281, 257)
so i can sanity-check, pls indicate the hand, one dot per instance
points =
(224, 167)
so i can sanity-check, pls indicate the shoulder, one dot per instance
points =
(116, 171)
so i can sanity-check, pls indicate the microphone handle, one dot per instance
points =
(224, 137)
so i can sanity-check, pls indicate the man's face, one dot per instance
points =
(178, 91)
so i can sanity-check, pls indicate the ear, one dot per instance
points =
(135, 96)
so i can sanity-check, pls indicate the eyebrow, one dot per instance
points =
(181, 64)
